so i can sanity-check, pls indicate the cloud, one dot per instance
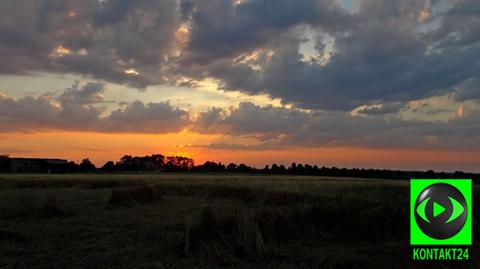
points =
(251, 119)
(322, 60)
(468, 90)
(281, 127)
(11, 151)
(90, 93)
(242, 147)
(75, 110)
(146, 118)
(382, 52)
(237, 28)
(379, 109)
(245, 127)
(27, 113)
(209, 121)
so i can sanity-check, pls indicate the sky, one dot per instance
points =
(366, 83)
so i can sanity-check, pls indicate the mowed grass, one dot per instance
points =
(205, 221)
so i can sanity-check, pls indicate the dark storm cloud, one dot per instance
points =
(221, 28)
(383, 52)
(389, 51)
(469, 90)
(95, 38)
(460, 26)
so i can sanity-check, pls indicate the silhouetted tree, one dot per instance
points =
(459, 174)
(231, 167)
(125, 163)
(109, 167)
(146, 163)
(87, 166)
(158, 162)
(209, 166)
(430, 174)
(293, 168)
(178, 163)
(242, 168)
(300, 169)
(73, 167)
(266, 169)
(275, 169)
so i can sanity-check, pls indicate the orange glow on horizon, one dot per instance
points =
(101, 148)
(98, 147)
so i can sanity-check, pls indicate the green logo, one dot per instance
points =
(440, 212)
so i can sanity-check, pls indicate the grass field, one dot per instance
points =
(205, 221)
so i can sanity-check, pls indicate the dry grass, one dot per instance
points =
(203, 221)
(228, 238)
(30, 207)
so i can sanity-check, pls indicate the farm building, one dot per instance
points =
(37, 165)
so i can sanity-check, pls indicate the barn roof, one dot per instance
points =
(47, 160)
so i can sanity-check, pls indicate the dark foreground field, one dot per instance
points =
(205, 221)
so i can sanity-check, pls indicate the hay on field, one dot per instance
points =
(229, 237)
(132, 195)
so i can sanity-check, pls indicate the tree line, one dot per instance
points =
(160, 163)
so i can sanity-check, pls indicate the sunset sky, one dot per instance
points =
(367, 83)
